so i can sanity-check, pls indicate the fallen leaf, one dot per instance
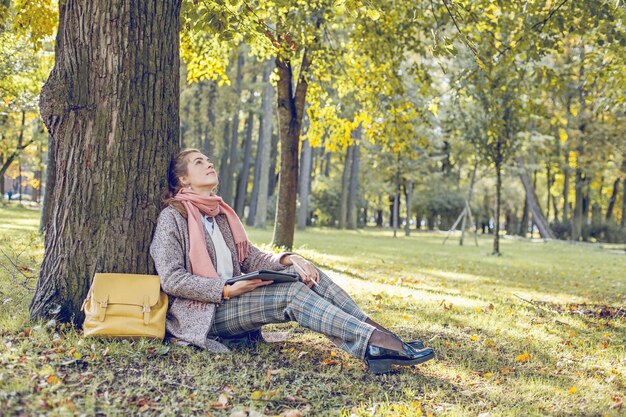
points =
(473, 338)
(329, 361)
(488, 375)
(53, 379)
(490, 343)
(572, 390)
(524, 357)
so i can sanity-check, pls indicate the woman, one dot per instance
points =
(200, 242)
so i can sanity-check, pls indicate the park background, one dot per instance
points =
(386, 122)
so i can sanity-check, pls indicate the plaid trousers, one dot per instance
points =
(324, 308)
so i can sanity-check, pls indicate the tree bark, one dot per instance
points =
(111, 106)
(50, 184)
(290, 111)
(533, 204)
(305, 184)
(265, 148)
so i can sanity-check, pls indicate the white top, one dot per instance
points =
(223, 258)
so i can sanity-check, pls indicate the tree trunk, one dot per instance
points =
(305, 177)
(549, 185)
(533, 204)
(209, 133)
(396, 201)
(327, 164)
(345, 183)
(290, 111)
(496, 232)
(353, 189)
(50, 184)
(273, 175)
(613, 199)
(409, 199)
(228, 182)
(264, 149)
(523, 226)
(566, 174)
(223, 168)
(111, 106)
(242, 186)
(623, 221)
(577, 221)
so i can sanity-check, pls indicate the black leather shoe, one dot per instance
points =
(416, 344)
(380, 359)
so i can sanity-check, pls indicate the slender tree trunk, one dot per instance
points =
(290, 111)
(623, 220)
(210, 136)
(305, 178)
(264, 151)
(327, 163)
(470, 192)
(577, 222)
(273, 176)
(223, 168)
(242, 186)
(612, 200)
(228, 182)
(523, 226)
(533, 204)
(396, 201)
(549, 185)
(111, 106)
(496, 231)
(345, 183)
(353, 189)
(409, 199)
(566, 175)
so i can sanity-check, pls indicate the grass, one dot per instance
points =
(540, 330)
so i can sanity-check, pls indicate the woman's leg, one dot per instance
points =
(279, 303)
(332, 292)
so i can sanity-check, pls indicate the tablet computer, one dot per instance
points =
(265, 275)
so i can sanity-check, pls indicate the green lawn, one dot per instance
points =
(540, 330)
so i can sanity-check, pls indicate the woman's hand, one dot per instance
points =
(305, 269)
(246, 285)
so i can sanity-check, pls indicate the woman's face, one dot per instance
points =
(201, 175)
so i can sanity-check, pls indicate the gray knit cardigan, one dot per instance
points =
(192, 298)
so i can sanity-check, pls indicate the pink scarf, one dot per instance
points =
(195, 204)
